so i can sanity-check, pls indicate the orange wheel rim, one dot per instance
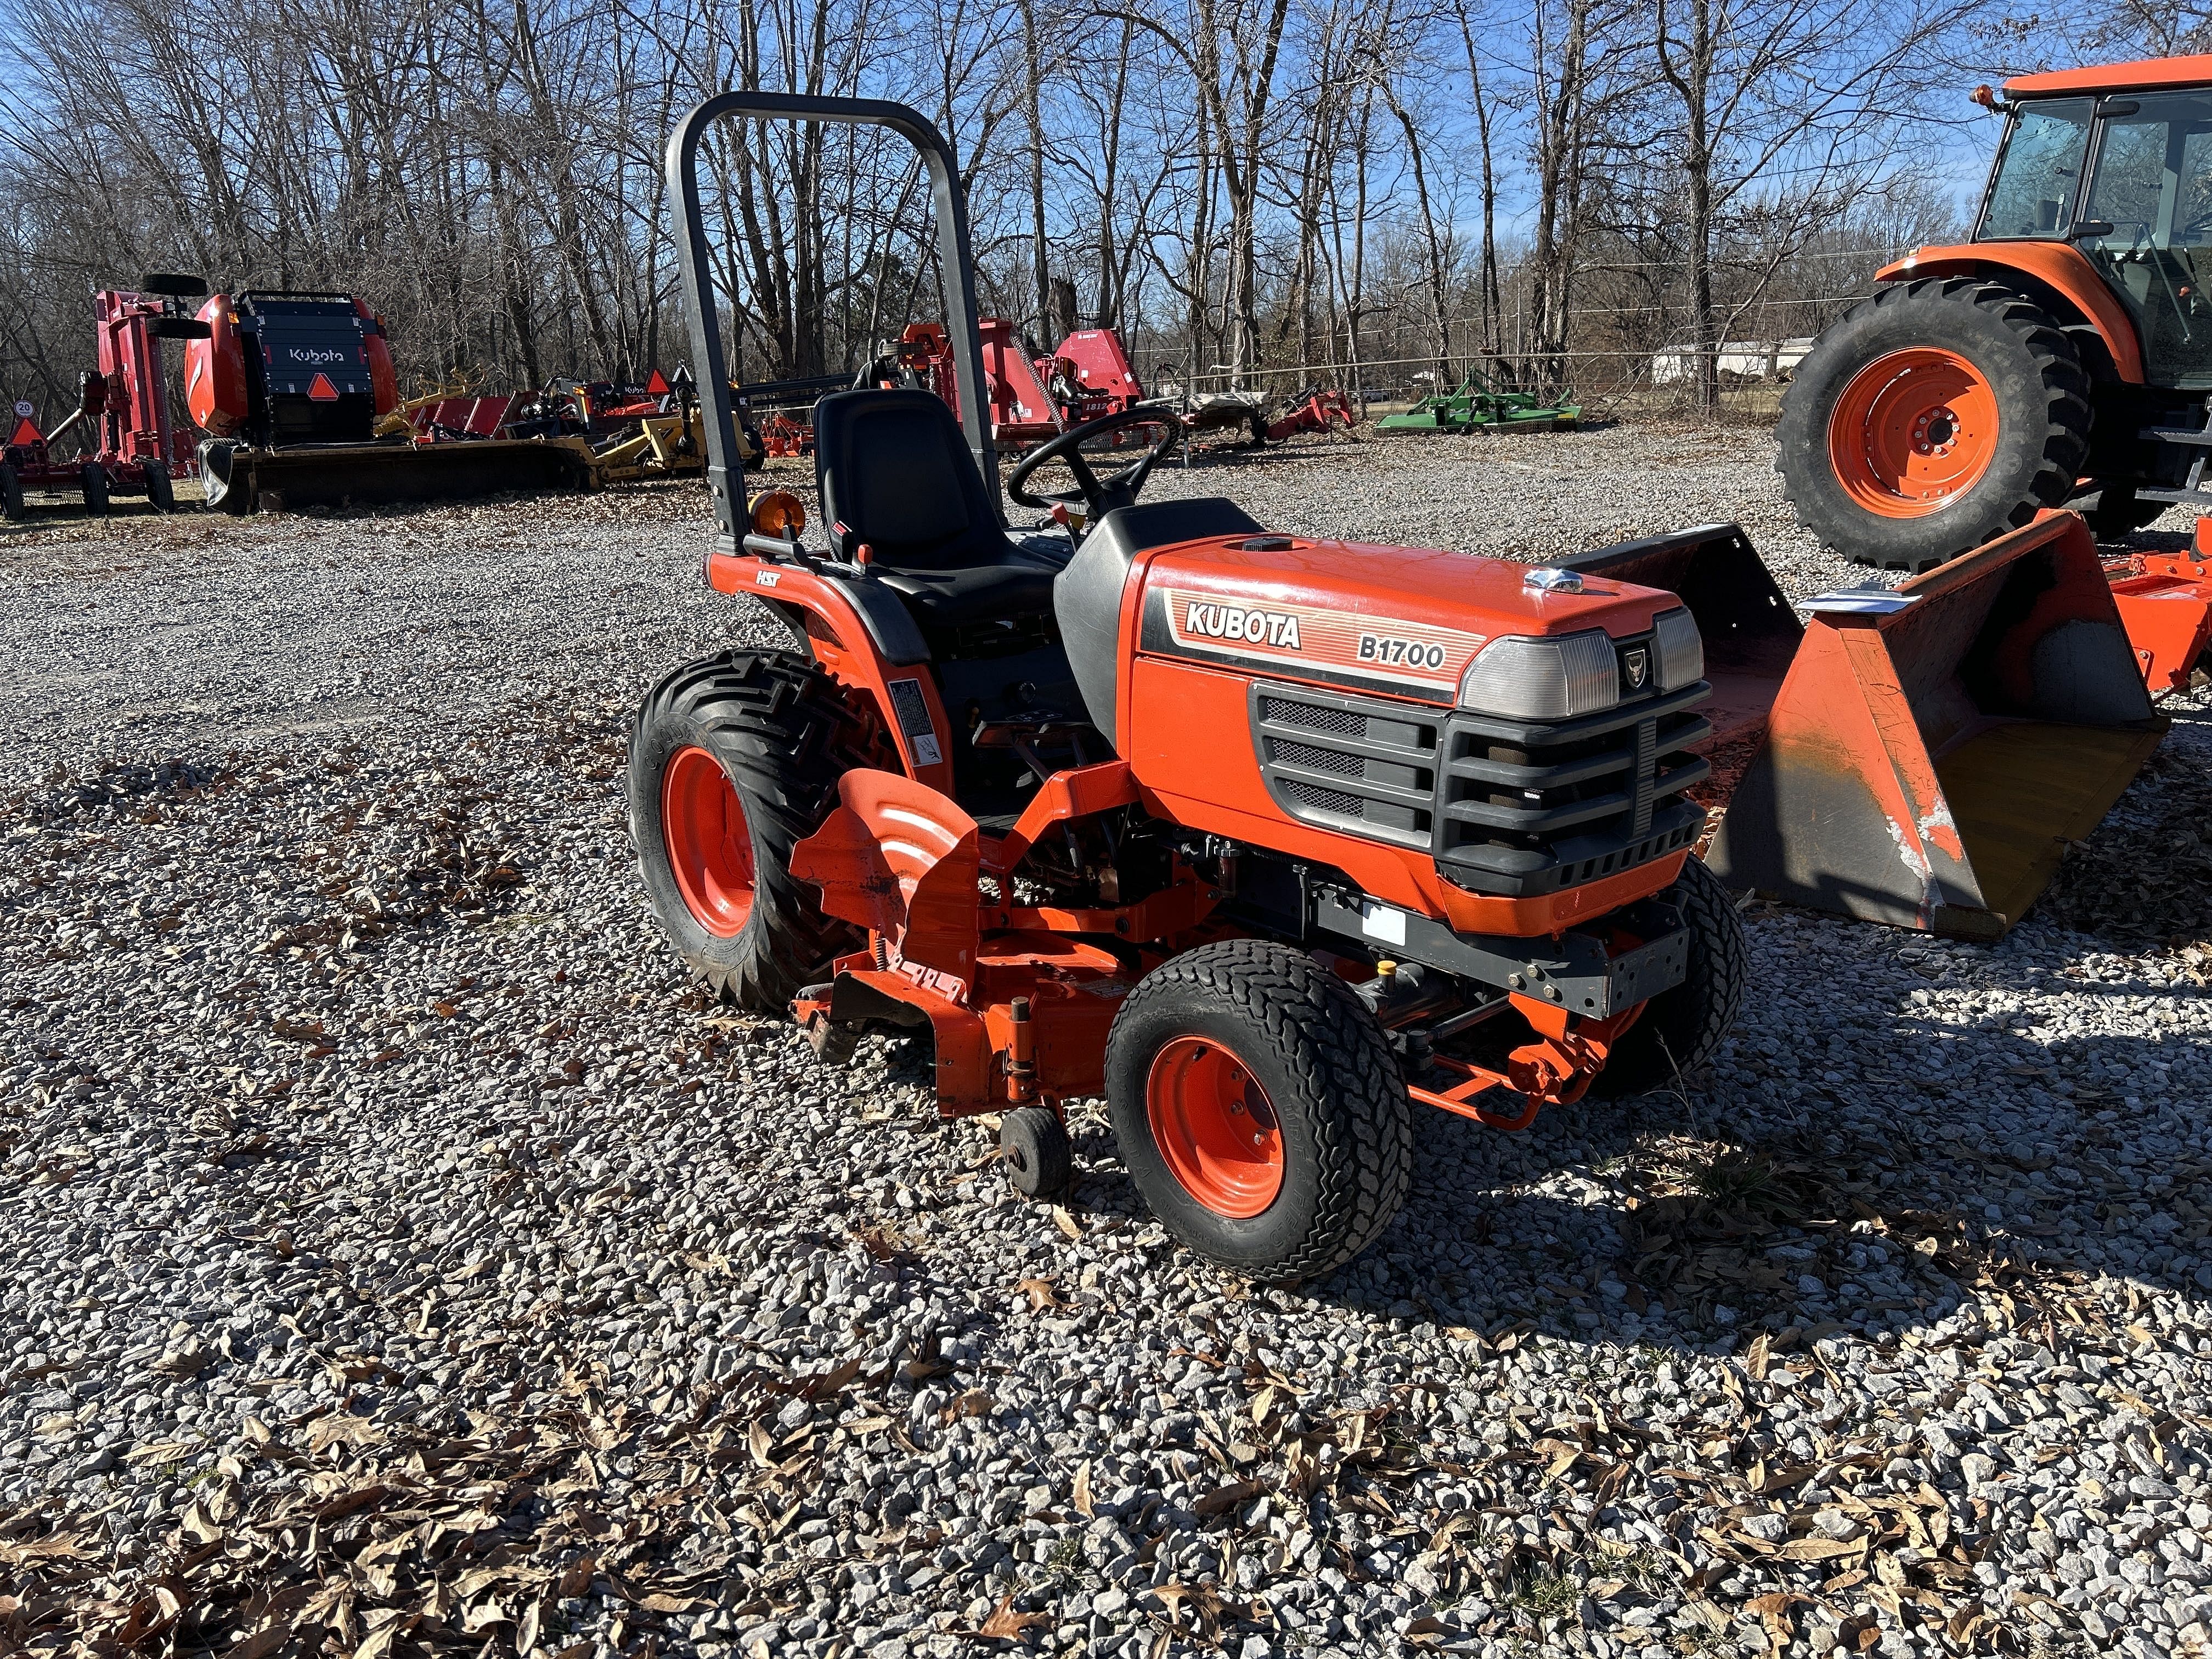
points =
(702, 827)
(1913, 431)
(1215, 1127)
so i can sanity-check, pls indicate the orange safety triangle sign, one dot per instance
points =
(26, 432)
(321, 391)
(657, 386)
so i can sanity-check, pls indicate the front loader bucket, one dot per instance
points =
(1750, 632)
(387, 474)
(1930, 752)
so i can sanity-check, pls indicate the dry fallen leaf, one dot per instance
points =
(1066, 1222)
(976, 1402)
(1773, 1611)
(1081, 1497)
(1004, 1625)
(1821, 1549)
(1228, 1497)
(1043, 1294)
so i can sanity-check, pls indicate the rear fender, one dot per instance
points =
(2057, 274)
(900, 860)
(850, 647)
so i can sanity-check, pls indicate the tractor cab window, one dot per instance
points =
(2147, 225)
(2039, 172)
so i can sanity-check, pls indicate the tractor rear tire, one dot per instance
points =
(733, 761)
(11, 492)
(1680, 1029)
(92, 482)
(1931, 418)
(1259, 1109)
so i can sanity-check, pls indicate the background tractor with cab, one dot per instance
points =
(1263, 838)
(2064, 354)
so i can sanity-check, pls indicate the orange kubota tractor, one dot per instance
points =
(1263, 838)
(2063, 355)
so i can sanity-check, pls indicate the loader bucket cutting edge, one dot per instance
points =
(385, 475)
(1925, 768)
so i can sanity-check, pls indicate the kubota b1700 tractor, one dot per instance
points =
(1263, 838)
(2065, 353)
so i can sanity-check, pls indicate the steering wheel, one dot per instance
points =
(1097, 496)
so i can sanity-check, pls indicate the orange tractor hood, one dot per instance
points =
(1401, 620)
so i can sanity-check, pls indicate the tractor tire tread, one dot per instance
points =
(781, 724)
(1681, 1029)
(2067, 415)
(1343, 1065)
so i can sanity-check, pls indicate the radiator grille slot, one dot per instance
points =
(1317, 760)
(1322, 801)
(1313, 716)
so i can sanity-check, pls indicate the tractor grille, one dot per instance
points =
(1504, 806)
(1354, 763)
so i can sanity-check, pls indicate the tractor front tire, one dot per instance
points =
(2119, 511)
(1931, 418)
(733, 761)
(1259, 1109)
(1680, 1029)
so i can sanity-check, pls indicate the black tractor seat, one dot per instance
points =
(895, 474)
(975, 594)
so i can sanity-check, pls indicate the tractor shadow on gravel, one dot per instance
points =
(1870, 1207)
(1698, 1220)
(1871, 1194)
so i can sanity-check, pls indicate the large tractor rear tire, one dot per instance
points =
(1931, 418)
(732, 762)
(1259, 1109)
(1680, 1029)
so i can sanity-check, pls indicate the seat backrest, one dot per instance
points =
(896, 473)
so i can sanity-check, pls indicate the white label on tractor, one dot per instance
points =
(768, 578)
(926, 751)
(1381, 921)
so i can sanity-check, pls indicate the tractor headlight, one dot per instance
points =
(1679, 649)
(1529, 679)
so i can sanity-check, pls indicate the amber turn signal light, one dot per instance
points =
(780, 513)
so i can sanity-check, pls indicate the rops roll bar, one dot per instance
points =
(954, 255)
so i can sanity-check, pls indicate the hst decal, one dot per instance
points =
(1331, 645)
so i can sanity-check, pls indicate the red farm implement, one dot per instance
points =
(121, 423)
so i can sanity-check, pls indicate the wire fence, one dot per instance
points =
(1619, 355)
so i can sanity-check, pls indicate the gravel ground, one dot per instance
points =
(400, 1257)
